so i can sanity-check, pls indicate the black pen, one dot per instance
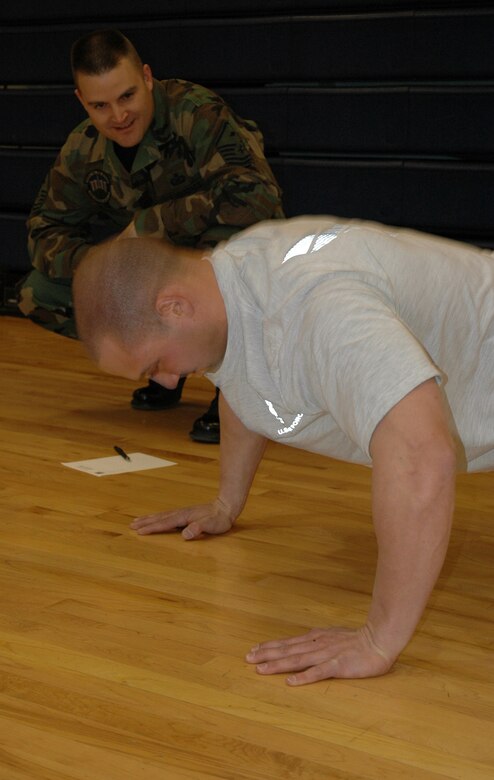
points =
(121, 452)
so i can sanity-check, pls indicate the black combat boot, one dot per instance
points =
(155, 397)
(206, 429)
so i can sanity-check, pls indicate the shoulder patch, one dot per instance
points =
(98, 185)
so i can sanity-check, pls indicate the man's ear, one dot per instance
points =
(148, 76)
(79, 97)
(172, 306)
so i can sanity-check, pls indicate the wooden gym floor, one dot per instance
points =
(121, 658)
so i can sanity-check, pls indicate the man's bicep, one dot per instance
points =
(419, 423)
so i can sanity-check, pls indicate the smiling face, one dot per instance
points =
(119, 102)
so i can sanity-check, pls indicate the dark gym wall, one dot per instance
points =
(381, 110)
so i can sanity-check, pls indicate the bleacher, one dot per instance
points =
(380, 110)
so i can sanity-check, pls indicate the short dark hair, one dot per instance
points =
(100, 51)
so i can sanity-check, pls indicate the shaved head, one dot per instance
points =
(144, 307)
(116, 286)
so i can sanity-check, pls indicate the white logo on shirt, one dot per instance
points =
(312, 243)
(304, 246)
(286, 428)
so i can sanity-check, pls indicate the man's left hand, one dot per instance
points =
(321, 654)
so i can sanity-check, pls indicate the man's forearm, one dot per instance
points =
(225, 201)
(241, 451)
(56, 249)
(413, 502)
(413, 536)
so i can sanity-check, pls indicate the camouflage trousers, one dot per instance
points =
(48, 303)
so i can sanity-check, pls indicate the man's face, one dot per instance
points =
(119, 102)
(163, 357)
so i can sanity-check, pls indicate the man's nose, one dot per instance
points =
(170, 381)
(119, 114)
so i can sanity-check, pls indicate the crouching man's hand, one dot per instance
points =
(128, 232)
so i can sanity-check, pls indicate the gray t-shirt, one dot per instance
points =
(331, 322)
